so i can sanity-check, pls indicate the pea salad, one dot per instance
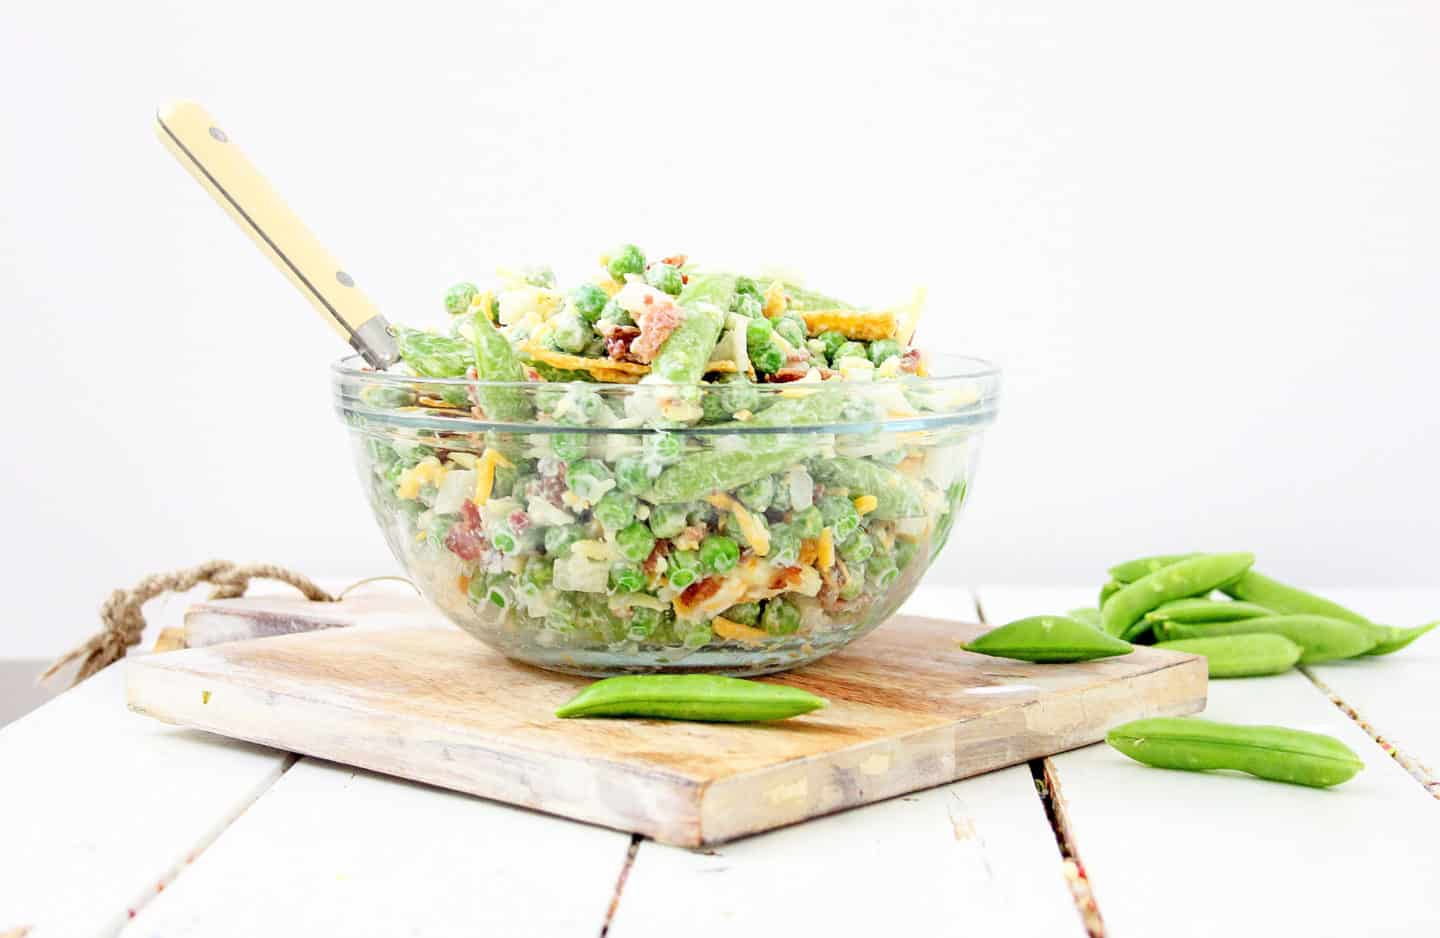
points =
(665, 467)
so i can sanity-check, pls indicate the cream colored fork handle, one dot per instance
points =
(192, 135)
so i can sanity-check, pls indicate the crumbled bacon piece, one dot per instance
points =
(700, 591)
(618, 346)
(466, 538)
(656, 321)
(785, 375)
(910, 361)
(519, 521)
(652, 563)
(675, 260)
(785, 578)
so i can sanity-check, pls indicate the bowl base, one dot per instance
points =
(736, 663)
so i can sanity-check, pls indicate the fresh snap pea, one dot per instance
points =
(700, 697)
(1193, 576)
(495, 360)
(1322, 638)
(1285, 599)
(1090, 617)
(1393, 638)
(1241, 655)
(1048, 639)
(1206, 610)
(1108, 590)
(1132, 570)
(1271, 752)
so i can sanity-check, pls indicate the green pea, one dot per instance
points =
(635, 542)
(1240, 655)
(699, 697)
(569, 333)
(1322, 638)
(905, 551)
(882, 571)
(668, 520)
(1205, 610)
(458, 298)
(809, 522)
(780, 617)
(589, 478)
(665, 278)
(662, 449)
(1392, 639)
(644, 622)
(791, 332)
(588, 300)
(627, 259)
(832, 342)
(719, 554)
(1270, 752)
(614, 312)
(627, 578)
(1048, 639)
(684, 568)
(539, 276)
(1272, 594)
(881, 349)
(784, 545)
(615, 509)
(745, 285)
(854, 586)
(559, 538)
(631, 474)
(1132, 570)
(744, 613)
(1124, 611)
(757, 495)
(768, 359)
(748, 305)
(839, 513)
(857, 550)
(848, 350)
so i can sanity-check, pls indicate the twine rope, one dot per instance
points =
(123, 616)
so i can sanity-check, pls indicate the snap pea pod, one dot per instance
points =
(1322, 638)
(1272, 594)
(1241, 655)
(1206, 610)
(699, 697)
(822, 407)
(803, 299)
(703, 473)
(684, 354)
(1132, 570)
(1270, 752)
(1393, 638)
(1108, 590)
(1049, 639)
(895, 494)
(1090, 617)
(495, 360)
(433, 356)
(1123, 613)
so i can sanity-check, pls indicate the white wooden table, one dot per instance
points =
(114, 824)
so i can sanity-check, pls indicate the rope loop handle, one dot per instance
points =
(123, 616)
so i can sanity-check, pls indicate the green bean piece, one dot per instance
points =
(434, 356)
(495, 360)
(695, 697)
(1322, 638)
(1050, 639)
(1283, 598)
(703, 473)
(1206, 610)
(1132, 570)
(1270, 752)
(1392, 638)
(1191, 577)
(1241, 655)
(896, 495)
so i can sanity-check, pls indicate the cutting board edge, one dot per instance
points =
(718, 826)
(177, 695)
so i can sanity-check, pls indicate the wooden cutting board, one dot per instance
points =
(908, 710)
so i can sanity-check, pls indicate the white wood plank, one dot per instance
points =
(331, 850)
(1396, 695)
(976, 856)
(1184, 854)
(99, 807)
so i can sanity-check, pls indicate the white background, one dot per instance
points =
(1203, 240)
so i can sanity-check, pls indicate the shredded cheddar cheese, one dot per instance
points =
(426, 471)
(825, 550)
(485, 474)
(866, 504)
(774, 299)
(736, 632)
(755, 534)
(809, 550)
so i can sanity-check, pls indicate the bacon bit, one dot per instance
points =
(618, 346)
(910, 361)
(684, 278)
(519, 521)
(675, 260)
(785, 578)
(700, 591)
(690, 538)
(652, 563)
(647, 299)
(656, 322)
(466, 542)
(786, 375)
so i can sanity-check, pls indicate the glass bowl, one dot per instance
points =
(638, 528)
